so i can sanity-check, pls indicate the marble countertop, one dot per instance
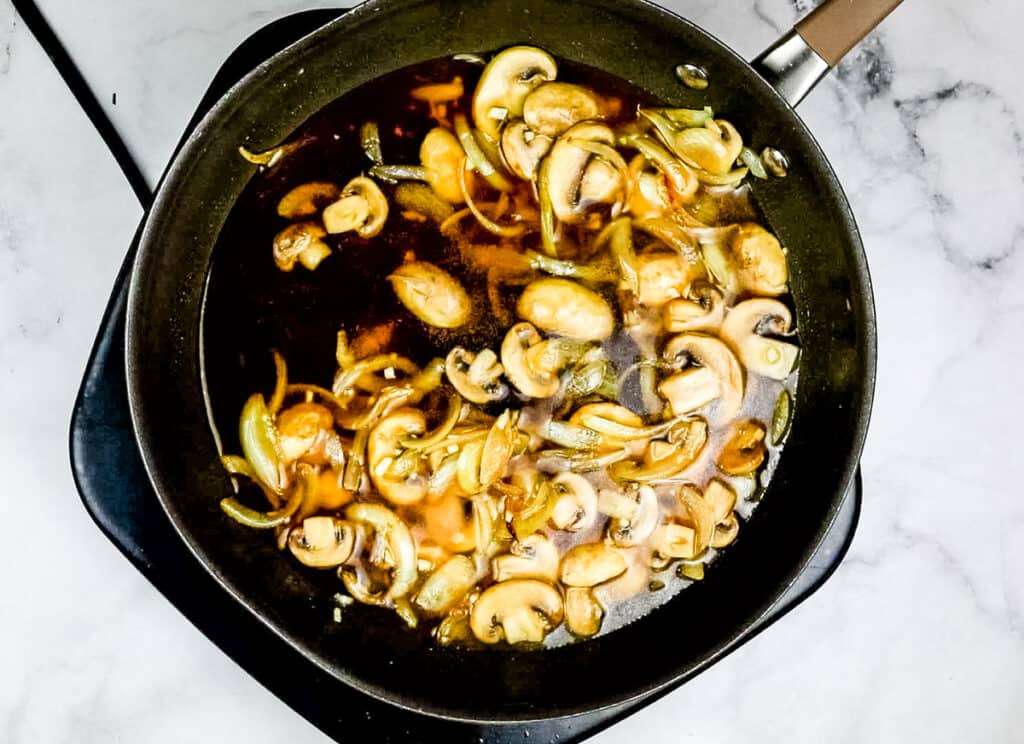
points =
(919, 637)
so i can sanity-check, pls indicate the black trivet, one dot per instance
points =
(116, 491)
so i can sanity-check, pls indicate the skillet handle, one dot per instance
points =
(796, 62)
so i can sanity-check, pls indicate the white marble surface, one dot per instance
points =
(919, 637)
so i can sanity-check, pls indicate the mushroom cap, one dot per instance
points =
(576, 504)
(522, 149)
(505, 83)
(520, 610)
(583, 613)
(382, 448)
(709, 352)
(476, 377)
(441, 154)
(535, 557)
(529, 381)
(401, 548)
(322, 542)
(759, 259)
(551, 108)
(431, 294)
(566, 165)
(764, 356)
(591, 564)
(566, 308)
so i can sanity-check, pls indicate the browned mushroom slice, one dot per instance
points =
(322, 542)
(583, 613)
(431, 294)
(709, 352)
(506, 82)
(535, 557)
(591, 564)
(520, 611)
(553, 107)
(522, 149)
(760, 261)
(565, 308)
(725, 532)
(743, 329)
(745, 450)
(302, 242)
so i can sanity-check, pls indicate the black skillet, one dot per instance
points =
(807, 209)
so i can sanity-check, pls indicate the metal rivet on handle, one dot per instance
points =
(775, 161)
(693, 76)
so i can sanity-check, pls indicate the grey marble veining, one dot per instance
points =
(920, 635)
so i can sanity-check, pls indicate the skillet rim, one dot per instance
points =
(178, 174)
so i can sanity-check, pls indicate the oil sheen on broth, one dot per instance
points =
(567, 360)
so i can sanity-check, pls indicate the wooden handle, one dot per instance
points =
(834, 27)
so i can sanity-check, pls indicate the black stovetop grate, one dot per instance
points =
(116, 491)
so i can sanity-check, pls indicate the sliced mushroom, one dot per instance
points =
(576, 502)
(302, 242)
(536, 557)
(690, 389)
(307, 199)
(384, 447)
(563, 307)
(506, 82)
(759, 260)
(477, 377)
(566, 165)
(322, 542)
(662, 277)
(711, 353)
(583, 613)
(447, 585)
(553, 107)
(431, 294)
(362, 208)
(530, 381)
(745, 450)
(591, 564)
(304, 427)
(522, 149)
(701, 309)
(401, 549)
(699, 514)
(627, 533)
(520, 610)
(441, 155)
(743, 327)
(674, 540)
(725, 532)
(721, 498)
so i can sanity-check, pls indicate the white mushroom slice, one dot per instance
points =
(662, 277)
(591, 564)
(528, 380)
(700, 514)
(566, 165)
(675, 540)
(702, 309)
(583, 613)
(506, 82)
(441, 155)
(759, 259)
(690, 390)
(477, 377)
(553, 107)
(627, 533)
(522, 149)
(322, 542)
(563, 307)
(536, 557)
(302, 242)
(725, 532)
(383, 447)
(709, 352)
(447, 585)
(520, 610)
(721, 498)
(576, 505)
(742, 330)
(362, 208)
(431, 294)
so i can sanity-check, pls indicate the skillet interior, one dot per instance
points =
(369, 650)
